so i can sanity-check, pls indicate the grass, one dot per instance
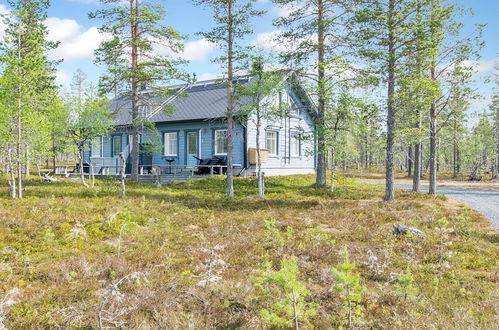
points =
(378, 173)
(64, 247)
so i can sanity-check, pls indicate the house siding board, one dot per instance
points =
(206, 129)
(304, 121)
(203, 109)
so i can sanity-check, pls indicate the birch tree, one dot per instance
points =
(259, 105)
(89, 117)
(28, 78)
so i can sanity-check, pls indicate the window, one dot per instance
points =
(294, 111)
(130, 141)
(116, 145)
(96, 147)
(192, 143)
(221, 142)
(271, 142)
(170, 144)
(295, 145)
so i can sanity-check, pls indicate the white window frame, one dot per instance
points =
(166, 144)
(296, 143)
(215, 138)
(276, 141)
(93, 144)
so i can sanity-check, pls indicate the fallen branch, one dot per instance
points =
(400, 229)
(47, 178)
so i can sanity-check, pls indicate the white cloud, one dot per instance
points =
(61, 78)
(3, 11)
(76, 42)
(268, 41)
(86, 1)
(197, 50)
(208, 76)
(282, 11)
(484, 66)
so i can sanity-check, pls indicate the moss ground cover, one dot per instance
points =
(184, 256)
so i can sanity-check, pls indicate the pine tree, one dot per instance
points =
(383, 33)
(327, 52)
(285, 295)
(132, 57)
(453, 79)
(348, 284)
(232, 23)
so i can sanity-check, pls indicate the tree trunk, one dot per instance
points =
(295, 310)
(82, 174)
(433, 145)
(409, 161)
(230, 102)
(261, 184)
(26, 161)
(416, 178)
(321, 109)
(390, 118)
(134, 11)
(333, 167)
(53, 155)
(366, 148)
(92, 176)
(122, 174)
(497, 140)
(12, 179)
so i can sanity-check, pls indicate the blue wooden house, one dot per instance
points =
(194, 128)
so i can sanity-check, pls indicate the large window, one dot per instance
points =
(116, 145)
(170, 140)
(271, 142)
(221, 142)
(96, 147)
(295, 145)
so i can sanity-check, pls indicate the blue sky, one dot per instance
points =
(68, 22)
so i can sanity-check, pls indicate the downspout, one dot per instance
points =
(245, 147)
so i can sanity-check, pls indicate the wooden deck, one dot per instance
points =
(155, 174)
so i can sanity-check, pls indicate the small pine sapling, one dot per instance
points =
(289, 309)
(405, 284)
(348, 284)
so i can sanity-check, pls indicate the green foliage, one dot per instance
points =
(27, 84)
(284, 295)
(405, 284)
(348, 284)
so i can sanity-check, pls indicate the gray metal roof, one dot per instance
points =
(198, 101)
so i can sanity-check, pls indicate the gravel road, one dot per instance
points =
(485, 202)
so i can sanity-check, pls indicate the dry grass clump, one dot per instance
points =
(184, 256)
